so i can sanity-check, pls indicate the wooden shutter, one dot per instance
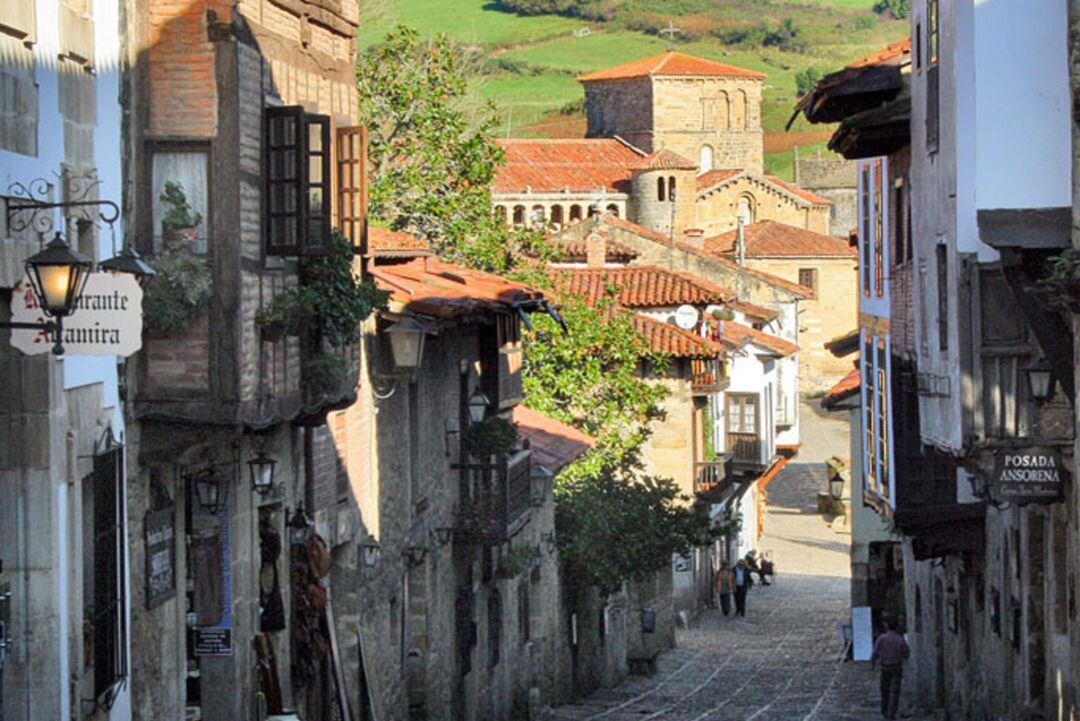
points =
(352, 185)
(317, 176)
(284, 180)
(109, 632)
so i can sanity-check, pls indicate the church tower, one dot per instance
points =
(664, 189)
(704, 110)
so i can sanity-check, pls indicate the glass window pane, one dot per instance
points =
(188, 170)
(315, 144)
(315, 201)
(315, 169)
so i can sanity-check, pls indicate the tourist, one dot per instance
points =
(890, 649)
(752, 564)
(723, 587)
(741, 581)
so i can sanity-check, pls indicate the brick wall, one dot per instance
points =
(180, 362)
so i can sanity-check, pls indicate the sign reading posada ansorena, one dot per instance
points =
(1029, 475)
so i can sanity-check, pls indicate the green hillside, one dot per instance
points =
(531, 61)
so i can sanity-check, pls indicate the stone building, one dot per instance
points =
(966, 352)
(825, 265)
(63, 575)
(834, 178)
(674, 143)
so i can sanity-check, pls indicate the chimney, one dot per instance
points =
(595, 250)
(740, 244)
(694, 237)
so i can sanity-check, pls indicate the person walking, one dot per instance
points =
(741, 582)
(891, 650)
(752, 564)
(723, 587)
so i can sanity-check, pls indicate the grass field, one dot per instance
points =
(543, 54)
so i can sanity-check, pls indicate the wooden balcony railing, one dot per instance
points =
(707, 375)
(745, 447)
(711, 478)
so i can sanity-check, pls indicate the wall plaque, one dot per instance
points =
(159, 534)
(1029, 475)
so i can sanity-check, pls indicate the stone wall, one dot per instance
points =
(718, 209)
(655, 214)
(623, 108)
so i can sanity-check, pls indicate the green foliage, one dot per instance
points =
(898, 9)
(178, 216)
(615, 527)
(601, 10)
(806, 79)
(785, 35)
(496, 436)
(432, 164)
(338, 298)
(1061, 268)
(325, 373)
(731, 527)
(518, 560)
(290, 308)
(177, 293)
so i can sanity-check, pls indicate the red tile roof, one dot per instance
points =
(430, 287)
(716, 178)
(892, 52)
(739, 335)
(394, 243)
(640, 286)
(554, 166)
(672, 63)
(712, 178)
(754, 311)
(803, 193)
(674, 341)
(848, 386)
(570, 245)
(769, 239)
(665, 159)
(554, 444)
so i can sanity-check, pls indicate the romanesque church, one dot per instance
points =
(674, 144)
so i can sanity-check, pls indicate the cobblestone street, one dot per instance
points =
(779, 663)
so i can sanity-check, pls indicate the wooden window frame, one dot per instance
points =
(303, 242)
(941, 266)
(867, 205)
(881, 410)
(879, 229)
(351, 213)
(739, 400)
(812, 274)
(933, 77)
(870, 416)
(108, 625)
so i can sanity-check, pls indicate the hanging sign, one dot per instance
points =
(107, 320)
(1030, 475)
(159, 531)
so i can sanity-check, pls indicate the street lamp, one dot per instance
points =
(128, 261)
(407, 343)
(836, 486)
(300, 526)
(1040, 379)
(414, 555)
(262, 472)
(478, 406)
(212, 489)
(372, 550)
(58, 276)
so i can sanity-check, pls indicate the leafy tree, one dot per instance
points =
(432, 164)
(806, 79)
(899, 9)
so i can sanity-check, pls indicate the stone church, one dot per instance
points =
(674, 143)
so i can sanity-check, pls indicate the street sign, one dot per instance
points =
(1029, 475)
(107, 320)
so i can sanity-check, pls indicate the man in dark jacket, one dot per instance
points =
(741, 582)
(891, 650)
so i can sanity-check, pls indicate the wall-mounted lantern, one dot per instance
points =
(836, 486)
(407, 343)
(300, 526)
(478, 406)
(262, 468)
(442, 535)
(371, 552)
(211, 488)
(414, 555)
(128, 261)
(1040, 376)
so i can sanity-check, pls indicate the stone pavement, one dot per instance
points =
(779, 663)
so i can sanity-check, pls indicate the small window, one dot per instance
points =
(519, 215)
(933, 109)
(706, 158)
(494, 628)
(613, 210)
(879, 229)
(180, 174)
(661, 193)
(746, 210)
(865, 228)
(942, 256)
(297, 181)
(671, 188)
(808, 278)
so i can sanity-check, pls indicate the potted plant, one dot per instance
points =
(287, 314)
(179, 224)
(177, 294)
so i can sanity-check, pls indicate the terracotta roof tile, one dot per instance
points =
(570, 245)
(554, 444)
(803, 193)
(754, 311)
(739, 335)
(671, 63)
(665, 159)
(848, 386)
(713, 178)
(554, 166)
(890, 53)
(717, 178)
(442, 290)
(394, 243)
(674, 341)
(769, 239)
(640, 286)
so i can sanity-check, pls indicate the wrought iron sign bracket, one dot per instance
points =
(27, 202)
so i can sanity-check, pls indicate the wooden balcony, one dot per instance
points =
(707, 376)
(745, 449)
(712, 478)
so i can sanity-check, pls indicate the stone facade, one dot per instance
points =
(754, 198)
(832, 177)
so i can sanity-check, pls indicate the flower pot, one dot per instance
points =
(272, 332)
(182, 239)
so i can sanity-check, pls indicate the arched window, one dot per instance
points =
(557, 215)
(519, 215)
(738, 110)
(536, 215)
(575, 212)
(660, 194)
(671, 188)
(594, 209)
(706, 158)
(613, 210)
(723, 111)
(746, 210)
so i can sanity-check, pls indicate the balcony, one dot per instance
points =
(499, 506)
(712, 478)
(745, 449)
(707, 376)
